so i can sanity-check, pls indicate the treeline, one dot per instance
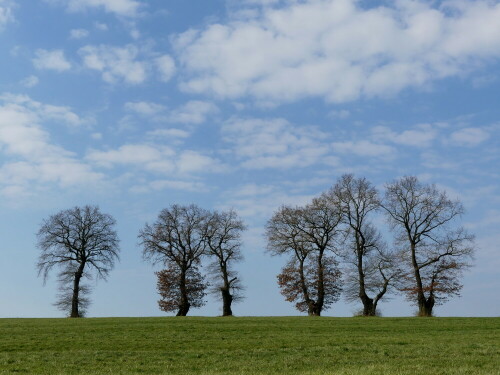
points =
(333, 246)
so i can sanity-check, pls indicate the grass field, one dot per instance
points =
(295, 345)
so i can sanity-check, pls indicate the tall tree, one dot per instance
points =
(436, 251)
(177, 239)
(223, 238)
(83, 244)
(373, 266)
(306, 233)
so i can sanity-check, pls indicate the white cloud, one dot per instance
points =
(421, 136)
(341, 114)
(159, 185)
(254, 201)
(144, 108)
(78, 33)
(193, 112)
(128, 63)
(155, 158)
(128, 8)
(274, 143)
(30, 158)
(166, 66)
(364, 148)
(338, 50)
(469, 137)
(45, 111)
(101, 26)
(51, 60)
(30, 81)
(115, 63)
(6, 14)
(168, 133)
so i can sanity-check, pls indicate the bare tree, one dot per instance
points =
(169, 288)
(223, 238)
(305, 233)
(436, 252)
(365, 251)
(82, 243)
(177, 239)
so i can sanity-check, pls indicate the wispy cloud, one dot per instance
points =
(51, 60)
(31, 158)
(6, 14)
(469, 137)
(274, 143)
(125, 8)
(115, 63)
(78, 33)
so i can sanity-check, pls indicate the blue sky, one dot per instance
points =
(135, 105)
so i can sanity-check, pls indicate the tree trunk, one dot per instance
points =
(184, 304)
(227, 299)
(75, 302)
(315, 310)
(318, 306)
(368, 306)
(305, 292)
(425, 306)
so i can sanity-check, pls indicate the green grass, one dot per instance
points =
(295, 345)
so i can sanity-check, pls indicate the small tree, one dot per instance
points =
(305, 233)
(177, 239)
(371, 268)
(292, 280)
(223, 239)
(169, 288)
(82, 243)
(436, 253)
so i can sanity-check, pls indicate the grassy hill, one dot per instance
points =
(291, 345)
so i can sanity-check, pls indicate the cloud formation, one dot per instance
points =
(30, 157)
(6, 14)
(274, 143)
(125, 8)
(51, 60)
(338, 50)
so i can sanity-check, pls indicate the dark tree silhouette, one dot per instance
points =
(223, 238)
(305, 233)
(170, 292)
(177, 239)
(436, 252)
(83, 244)
(371, 268)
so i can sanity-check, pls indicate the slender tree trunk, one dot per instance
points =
(318, 306)
(424, 308)
(75, 313)
(184, 302)
(368, 305)
(379, 296)
(305, 292)
(227, 298)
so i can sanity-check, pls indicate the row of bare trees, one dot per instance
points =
(83, 244)
(426, 260)
(333, 245)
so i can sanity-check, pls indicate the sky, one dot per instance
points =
(135, 105)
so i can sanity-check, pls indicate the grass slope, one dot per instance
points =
(295, 345)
